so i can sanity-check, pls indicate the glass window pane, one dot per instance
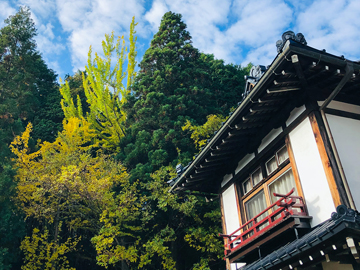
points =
(256, 205)
(256, 176)
(282, 155)
(282, 185)
(247, 186)
(271, 165)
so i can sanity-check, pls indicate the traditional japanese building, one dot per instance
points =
(286, 164)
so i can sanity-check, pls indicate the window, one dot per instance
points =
(275, 161)
(254, 179)
(282, 185)
(258, 190)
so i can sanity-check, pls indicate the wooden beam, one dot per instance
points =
(282, 89)
(288, 73)
(209, 165)
(296, 62)
(280, 82)
(264, 108)
(223, 152)
(256, 117)
(215, 159)
(272, 99)
(325, 161)
(243, 132)
(233, 139)
(241, 126)
(326, 69)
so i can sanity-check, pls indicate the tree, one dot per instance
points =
(175, 83)
(64, 190)
(28, 93)
(105, 89)
(26, 83)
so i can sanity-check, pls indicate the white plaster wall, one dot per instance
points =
(311, 172)
(236, 266)
(269, 138)
(231, 214)
(346, 135)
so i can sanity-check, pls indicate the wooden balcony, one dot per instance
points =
(287, 212)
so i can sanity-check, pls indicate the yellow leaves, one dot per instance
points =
(200, 134)
(67, 103)
(42, 252)
(105, 89)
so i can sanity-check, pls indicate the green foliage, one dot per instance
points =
(194, 222)
(175, 83)
(200, 134)
(28, 92)
(28, 86)
(104, 88)
(63, 183)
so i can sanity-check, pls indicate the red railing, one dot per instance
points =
(287, 205)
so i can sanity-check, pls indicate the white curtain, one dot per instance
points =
(247, 186)
(271, 165)
(282, 185)
(256, 205)
(257, 176)
(282, 155)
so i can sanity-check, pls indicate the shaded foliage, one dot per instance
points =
(28, 92)
(176, 83)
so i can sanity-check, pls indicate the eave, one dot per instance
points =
(298, 74)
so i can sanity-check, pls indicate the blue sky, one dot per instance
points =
(239, 31)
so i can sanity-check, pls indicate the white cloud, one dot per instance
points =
(332, 25)
(237, 31)
(42, 8)
(88, 22)
(5, 11)
(225, 27)
(154, 15)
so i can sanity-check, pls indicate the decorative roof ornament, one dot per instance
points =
(299, 37)
(254, 76)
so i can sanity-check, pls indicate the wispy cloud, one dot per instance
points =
(88, 21)
(332, 25)
(238, 31)
(5, 11)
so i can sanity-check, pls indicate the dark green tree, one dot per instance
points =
(175, 83)
(28, 93)
(28, 88)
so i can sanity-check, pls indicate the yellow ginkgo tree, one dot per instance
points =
(106, 85)
(64, 186)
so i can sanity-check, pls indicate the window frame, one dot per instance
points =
(268, 179)
(265, 187)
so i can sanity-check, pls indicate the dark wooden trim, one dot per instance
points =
(237, 197)
(330, 153)
(342, 113)
(222, 214)
(328, 167)
(265, 152)
(240, 202)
